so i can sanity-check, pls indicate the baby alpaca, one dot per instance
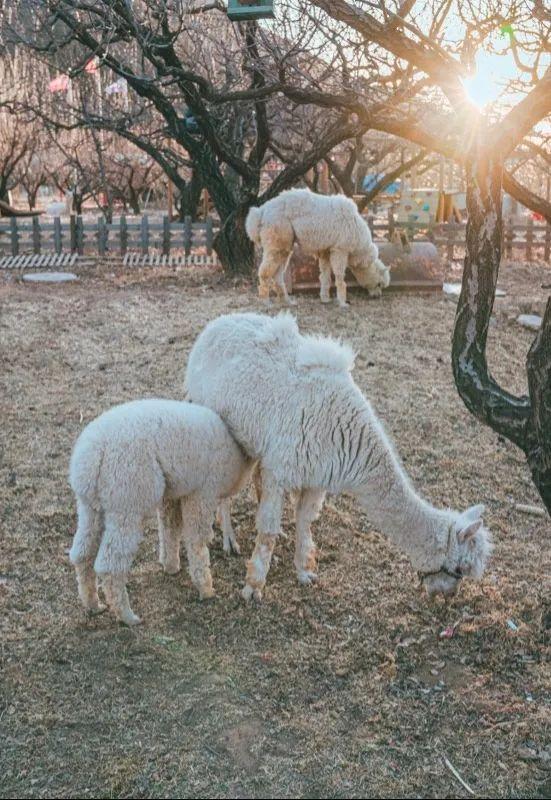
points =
(176, 457)
(329, 227)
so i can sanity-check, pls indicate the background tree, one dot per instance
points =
(439, 45)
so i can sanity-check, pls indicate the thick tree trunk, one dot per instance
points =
(31, 198)
(526, 421)
(134, 200)
(232, 245)
(538, 438)
(188, 201)
(505, 413)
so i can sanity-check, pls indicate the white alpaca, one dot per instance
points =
(329, 227)
(290, 402)
(150, 454)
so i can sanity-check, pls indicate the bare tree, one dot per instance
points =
(481, 142)
(214, 90)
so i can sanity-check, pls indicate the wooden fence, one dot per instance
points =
(158, 240)
(533, 240)
(83, 237)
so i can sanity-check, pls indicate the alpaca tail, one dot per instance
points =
(253, 224)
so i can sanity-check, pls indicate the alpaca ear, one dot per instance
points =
(471, 515)
(468, 533)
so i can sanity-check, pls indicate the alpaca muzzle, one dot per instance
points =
(441, 581)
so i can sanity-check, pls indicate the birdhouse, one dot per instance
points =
(240, 10)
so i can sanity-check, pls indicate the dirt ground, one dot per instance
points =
(341, 690)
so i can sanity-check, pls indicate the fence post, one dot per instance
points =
(547, 242)
(36, 235)
(450, 240)
(57, 235)
(144, 234)
(73, 232)
(371, 222)
(14, 237)
(123, 235)
(391, 224)
(79, 231)
(509, 238)
(529, 238)
(102, 236)
(166, 236)
(187, 235)
(209, 237)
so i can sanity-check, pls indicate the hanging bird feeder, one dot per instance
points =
(241, 10)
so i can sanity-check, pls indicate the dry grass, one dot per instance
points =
(341, 690)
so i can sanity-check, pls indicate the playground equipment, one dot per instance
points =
(430, 205)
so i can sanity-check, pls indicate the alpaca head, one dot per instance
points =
(370, 272)
(469, 546)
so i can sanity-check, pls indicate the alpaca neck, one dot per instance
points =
(393, 505)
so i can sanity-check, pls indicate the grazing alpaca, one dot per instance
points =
(329, 227)
(290, 402)
(134, 458)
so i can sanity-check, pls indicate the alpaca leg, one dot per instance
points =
(197, 525)
(118, 547)
(268, 525)
(325, 278)
(223, 514)
(279, 280)
(308, 507)
(169, 517)
(339, 261)
(257, 482)
(269, 266)
(116, 594)
(83, 553)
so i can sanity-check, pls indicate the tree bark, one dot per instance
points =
(232, 245)
(190, 196)
(526, 421)
(538, 438)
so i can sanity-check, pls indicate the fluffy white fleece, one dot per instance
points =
(327, 226)
(291, 402)
(176, 457)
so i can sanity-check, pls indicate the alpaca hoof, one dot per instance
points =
(206, 594)
(307, 578)
(375, 293)
(96, 610)
(291, 301)
(231, 548)
(171, 568)
(344, 306)
(325, 300)
(130, 619)
(248, 593)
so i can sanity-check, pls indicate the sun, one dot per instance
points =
(493, 71)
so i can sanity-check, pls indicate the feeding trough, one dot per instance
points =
(241, 10)
(414, 266)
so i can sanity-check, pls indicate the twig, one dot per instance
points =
(456, 774)
(536, 511)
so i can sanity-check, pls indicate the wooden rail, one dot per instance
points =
(159, 236)
(145, 236)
